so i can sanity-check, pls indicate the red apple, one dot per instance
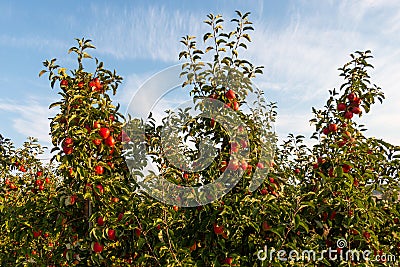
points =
(175, 208)
(351, 96)
(348, 115)
(264, 191)
(341, 107)
(97, 248)
(230, 94)
(37, 234)
(41, 187)
(100, 221)
(97, 142)
(39, 173)
(104, 132)
(333, 127)
(63, 83)
(100, 188)
(366, 235)
(234, 165)
(236, 106)
(265, 226)
(260, 165)
(356, 110)
(68, 150)
(38, 182)
(22, 168)
(111, 234)
(68, 141)
(120, 216)
(297, 171)
(244, 165)
(81, 84)
(234, 147)
(96, 125)
(325, 131)
(138, 232)
(228, 261)
(110, 141)
(346, 168)
(99, 169)
(111, 117)
(218, 230)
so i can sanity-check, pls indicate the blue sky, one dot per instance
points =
(300, 43)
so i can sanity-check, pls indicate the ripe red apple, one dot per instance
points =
(260, 165)
(120, 216)
(100, 221)
(218, 230)
(333, 127)
(244, 165)
(351, 96)
(81, 84)
(366, 235)
(68, 150)
(111, 234)
(234, 165)
(111, 117)
(175, 208)
(236, 106)
(325, 131)
(356, 110)
(70, 171)
(234, 147)
(41, 187)
(38, 182)
(341, 107)
(68, 141)
(22, 168)
(230, 94)
(271, 180)
(97, 142)
(138, 232)
(228, 261)
(266, 226)
(96, 125)
(110, 141)
(297, 171)
(63, 83)
(39, 173)
(37, 234)
(99, 169)
(97, 248)
(348, 115)
(73, 199)
(212, 123)
(264, 191)
(223, 165)
(346, 168)
(104, 132)
(100, 188)
(185, 176)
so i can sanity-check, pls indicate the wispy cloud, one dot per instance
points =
(145, 33)
(29, 118)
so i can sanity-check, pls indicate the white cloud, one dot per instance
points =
(149, 33)
(29, 118)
